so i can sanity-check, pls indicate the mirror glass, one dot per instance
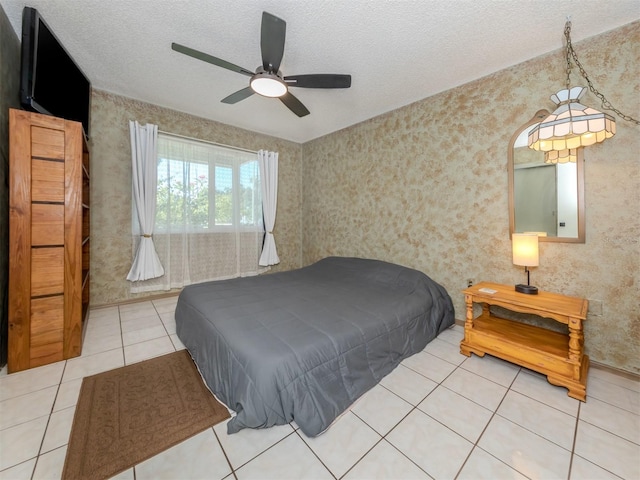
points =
(546, 198)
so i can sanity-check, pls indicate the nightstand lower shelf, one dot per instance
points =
(557, 355)
(535, 348)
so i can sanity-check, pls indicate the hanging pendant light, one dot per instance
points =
(572, 125)
(561, 156)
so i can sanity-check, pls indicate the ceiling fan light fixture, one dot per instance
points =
(268, 80)
(268, 85)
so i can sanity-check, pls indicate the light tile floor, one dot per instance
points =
(439, 415)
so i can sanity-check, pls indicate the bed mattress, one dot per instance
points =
(303, 345)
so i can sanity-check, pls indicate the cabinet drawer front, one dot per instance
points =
(47, 271)
(47, 224)
(47, 143)
(47, 181)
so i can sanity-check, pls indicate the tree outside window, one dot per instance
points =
(208, 191)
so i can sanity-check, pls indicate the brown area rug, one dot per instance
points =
(129, 414)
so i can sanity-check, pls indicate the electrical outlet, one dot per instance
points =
(595, 308)
(469, 282)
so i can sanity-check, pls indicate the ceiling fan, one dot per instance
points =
(267, 80)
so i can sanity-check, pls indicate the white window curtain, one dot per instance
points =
(146, 263)
(209, 213)
(269, 174)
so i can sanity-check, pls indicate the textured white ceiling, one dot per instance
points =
(397, 51)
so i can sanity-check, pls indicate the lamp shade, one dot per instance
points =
(525, 249)
(562, 156)
(571, 125)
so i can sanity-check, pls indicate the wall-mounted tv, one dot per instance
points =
(50, 81)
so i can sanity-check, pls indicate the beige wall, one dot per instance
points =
(111, 186)
(426, 186)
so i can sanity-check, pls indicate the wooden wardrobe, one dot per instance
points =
(48, 239)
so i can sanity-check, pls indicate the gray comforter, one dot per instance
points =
(303, 345)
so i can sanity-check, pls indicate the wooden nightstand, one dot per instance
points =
(558, 356)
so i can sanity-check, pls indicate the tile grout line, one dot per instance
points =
(414, 407)
(383, 437)
(233, 472)
(124, 357)
(575, 439)
(493, 415)
(378, 442)
(164, 326)
(297, 432)
(44, 435)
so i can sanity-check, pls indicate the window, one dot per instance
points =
(208, 214)
(206, 187)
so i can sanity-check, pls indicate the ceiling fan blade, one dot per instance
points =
(210, 59)
(272, 41)
(239, 95)
(294, 105)
(320, 80)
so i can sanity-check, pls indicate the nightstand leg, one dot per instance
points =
(468, 326)
(576, 346)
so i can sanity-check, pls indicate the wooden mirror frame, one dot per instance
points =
(538, 117)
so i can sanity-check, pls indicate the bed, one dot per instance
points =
(303, 345)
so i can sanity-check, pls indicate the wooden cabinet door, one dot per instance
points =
(45, 244)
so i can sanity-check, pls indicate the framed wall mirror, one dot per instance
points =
(546, 198)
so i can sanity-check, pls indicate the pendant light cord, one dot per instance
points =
(571, 54)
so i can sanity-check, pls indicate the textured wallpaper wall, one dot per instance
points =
(426, 186)
(111, 186)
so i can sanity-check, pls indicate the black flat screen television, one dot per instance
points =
(50, 81)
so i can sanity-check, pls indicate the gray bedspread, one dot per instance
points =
(303, 345)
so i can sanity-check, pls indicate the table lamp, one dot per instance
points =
(525, 253)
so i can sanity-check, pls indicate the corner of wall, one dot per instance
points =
(9, 90)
